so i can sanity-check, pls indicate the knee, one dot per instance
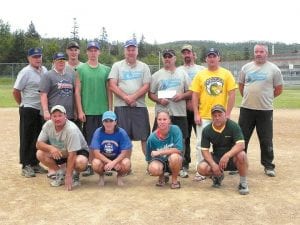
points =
(175, 159)
(40, 155)
(97, 165)
(203, 168)
(81, 163)
(126, 165)
(155, 169)
(241, 157)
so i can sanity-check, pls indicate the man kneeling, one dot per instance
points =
(60, 142)
(111, 148)
(228, 149)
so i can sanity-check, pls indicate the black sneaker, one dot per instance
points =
(217, 181)
(88, 172)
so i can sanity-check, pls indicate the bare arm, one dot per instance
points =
(278, 90)
(109, 96)
(241, 88)
(69, 170)
(195, 104)
(181, 96)
(230, 103)
(238, 147)
(168, 151)
(17, 96)
(213, 165)
(81, 115)
(154, 98)
(44, 103)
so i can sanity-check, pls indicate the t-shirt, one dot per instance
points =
(173, 140)
(60, 90)
(178, 81)
(69, 139)
(213, 88)
(94, 97)
(259, 83)
(222, 141)
(110, 145)
(130, 80)
(28, 82)
(192, 70)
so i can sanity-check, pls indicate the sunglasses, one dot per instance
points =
(108, 120)
(168, 56)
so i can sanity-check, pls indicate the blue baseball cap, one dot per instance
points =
(109, 115)
(131, 42)
(93, 44)
(35, 51)
(59, 55)
(213, 51)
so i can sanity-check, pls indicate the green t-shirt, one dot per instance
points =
(222, 141)
(94, 97)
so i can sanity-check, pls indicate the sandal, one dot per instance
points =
(161, 183)
(175, 185)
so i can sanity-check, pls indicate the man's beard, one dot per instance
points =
(187, 60)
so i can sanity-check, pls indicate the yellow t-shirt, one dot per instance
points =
(213, 88)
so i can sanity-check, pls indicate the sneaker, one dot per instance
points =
(28, 171)
(76, 181)
(243, 188)
(38, 169)
(217, 181)
(270, 172)
(59, 179)
(183, 173)
(198, 177)
(88, 172)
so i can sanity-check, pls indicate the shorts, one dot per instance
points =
(135, 121)
(230, 165)
(165, 163)
(79, 152)
(180, 121)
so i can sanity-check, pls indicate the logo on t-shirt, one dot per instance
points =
(214, 86)
(65, 88)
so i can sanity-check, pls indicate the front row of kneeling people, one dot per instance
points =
(63, 149)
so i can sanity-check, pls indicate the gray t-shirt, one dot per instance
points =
(28, 82)
(69, 139)
(130, 79)
(259, 83)
(164, 80)
(60, 90)
(191, 70)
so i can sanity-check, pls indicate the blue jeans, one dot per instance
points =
(262, 120)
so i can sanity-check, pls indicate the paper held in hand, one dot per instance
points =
(166, 94)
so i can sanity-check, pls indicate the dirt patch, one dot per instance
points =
(271, 200)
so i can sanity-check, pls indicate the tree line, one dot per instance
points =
(14, 46)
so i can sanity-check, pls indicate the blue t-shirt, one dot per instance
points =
(111, 145)
(173, 140)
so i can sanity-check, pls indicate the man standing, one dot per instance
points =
(57, 87)
(260, 82)
(129, 80)
(228, 144)
(211, 86)
(189, 66)
(60, 142)
(26, 94)
(73, 52)
(92, 94)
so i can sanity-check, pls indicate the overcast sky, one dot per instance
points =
(160, 20)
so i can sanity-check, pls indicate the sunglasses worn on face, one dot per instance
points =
(108, 120)
(168, 56)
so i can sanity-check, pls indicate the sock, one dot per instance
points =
(243, 179)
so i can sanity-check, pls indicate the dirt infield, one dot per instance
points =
(271, 200)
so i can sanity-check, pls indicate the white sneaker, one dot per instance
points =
(59, 179)
(243, 188)
(270, 172)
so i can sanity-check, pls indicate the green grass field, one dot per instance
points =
(289, 99)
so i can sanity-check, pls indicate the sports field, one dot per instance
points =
(271, 200)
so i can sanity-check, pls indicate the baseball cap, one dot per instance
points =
(93, 44)
(34, 51)
(131, 42)
(59, 55)
(213, 51)
(217, 107)
(109, 115)
(73, 44)
(168, 52)
(59, 108)
(187, 47)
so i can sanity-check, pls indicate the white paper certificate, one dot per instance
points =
(166, 94)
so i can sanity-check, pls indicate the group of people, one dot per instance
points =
(81, 117)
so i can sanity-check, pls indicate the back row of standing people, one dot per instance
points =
(129, 80)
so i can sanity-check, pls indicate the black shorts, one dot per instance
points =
(230, 165)
(135, 121)
(79, 152)
(166, 167)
